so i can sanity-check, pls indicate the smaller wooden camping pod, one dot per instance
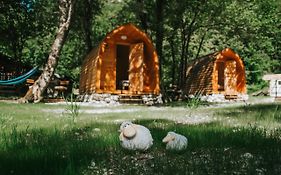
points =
(217, 73)
(125, 62)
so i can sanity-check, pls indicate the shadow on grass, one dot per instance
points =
(95, 149)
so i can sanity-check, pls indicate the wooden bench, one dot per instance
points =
(231, 96)
(30, 81)
(61, 88)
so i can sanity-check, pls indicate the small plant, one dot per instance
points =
(73, 107)
(194, 102)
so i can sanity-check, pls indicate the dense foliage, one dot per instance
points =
(181, 30)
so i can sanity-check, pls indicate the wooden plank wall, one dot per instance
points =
(151, 70)
(199, 79)
(108, 68)
(88, 72)
(241, 78)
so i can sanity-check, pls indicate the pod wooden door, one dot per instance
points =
(230, 77)
(136, 68)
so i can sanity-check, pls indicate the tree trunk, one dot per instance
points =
(181, 63)
(173, 54)
(87, 22)
(187, 32)
(201, 43)
(35, 93)
(142, 15)
(160, 33)
(159, 40)
(185, 60)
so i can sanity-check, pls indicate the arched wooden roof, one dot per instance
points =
(228, 53)
(132, 33)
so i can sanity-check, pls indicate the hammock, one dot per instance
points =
(19, 79)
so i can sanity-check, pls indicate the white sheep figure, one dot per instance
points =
(135, 137)
(175, 141)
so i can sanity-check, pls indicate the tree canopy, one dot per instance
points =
(182, 31)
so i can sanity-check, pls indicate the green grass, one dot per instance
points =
(37, 139)
(263, 115)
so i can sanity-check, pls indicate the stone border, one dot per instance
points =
(96, 98)
(221, 98)
(99, 98)
(152, 99)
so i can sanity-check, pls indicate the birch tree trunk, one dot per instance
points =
(35, 93)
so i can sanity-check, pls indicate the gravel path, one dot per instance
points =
(178, 114)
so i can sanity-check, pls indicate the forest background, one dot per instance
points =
(182, 31)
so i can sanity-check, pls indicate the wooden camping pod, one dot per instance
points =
(217, 73)
(125, 62)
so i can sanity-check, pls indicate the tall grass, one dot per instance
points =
(73, 108)
(194, 102)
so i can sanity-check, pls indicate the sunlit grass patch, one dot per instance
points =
(262, 115)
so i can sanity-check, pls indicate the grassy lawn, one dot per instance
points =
(47, 139)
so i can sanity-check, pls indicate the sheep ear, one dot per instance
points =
(129, 131)
(168, 138)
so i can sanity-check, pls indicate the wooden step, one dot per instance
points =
(130, 99)
(230, 97)
(53, 100)
(130, 96)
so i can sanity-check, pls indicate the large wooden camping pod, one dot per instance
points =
(125, 62)
(217, 73)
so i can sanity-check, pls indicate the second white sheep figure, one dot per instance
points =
(175, 141)
(135, 137)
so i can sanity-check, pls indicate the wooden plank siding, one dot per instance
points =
(107, 73)
(98, 71)
(87, 75)
(199, 79)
